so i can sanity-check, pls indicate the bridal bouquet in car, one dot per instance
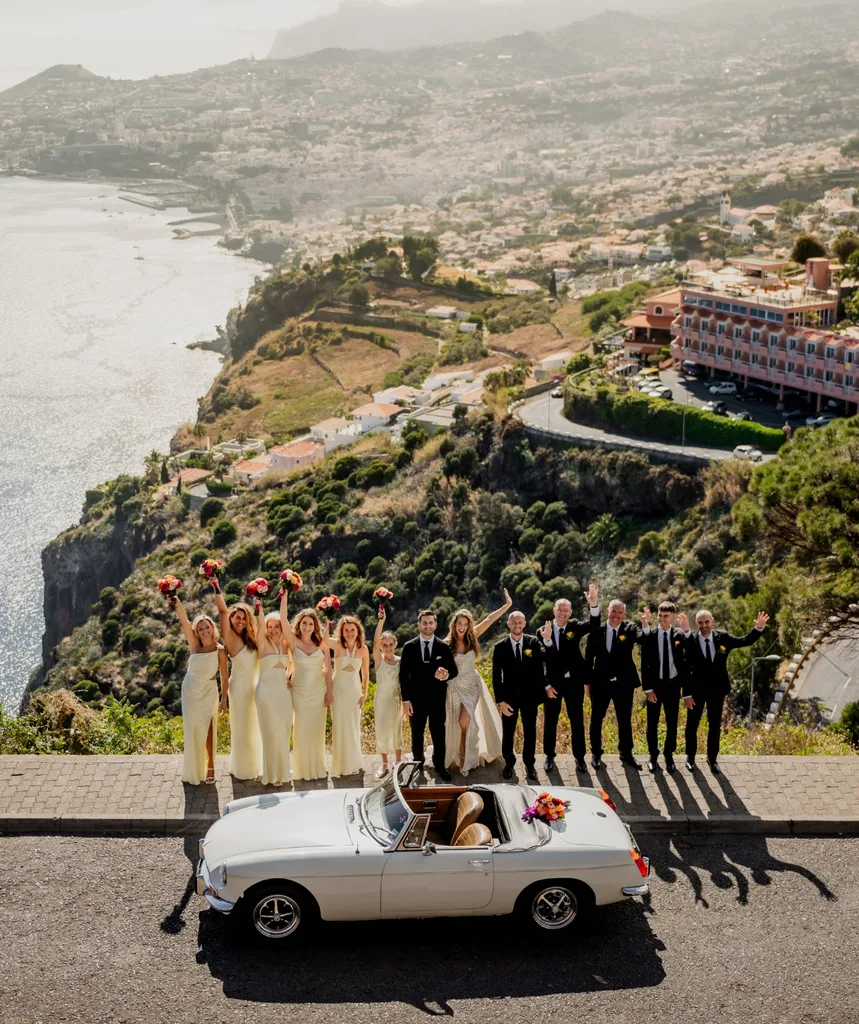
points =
(547, 808)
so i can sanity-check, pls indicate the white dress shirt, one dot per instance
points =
(428, 643)
(660, 634)
(704, 643)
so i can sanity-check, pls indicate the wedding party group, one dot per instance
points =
(278, 679)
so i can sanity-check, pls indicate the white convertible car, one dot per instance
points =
(282, 861)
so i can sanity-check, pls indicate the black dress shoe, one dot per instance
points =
(444, 775)
(690, 765)
(531, 773)
(596, 763)
(549, 764)
(508, 772)
(670, 765)
(580, 765)
(714, 768)
(630, 762)
(652, 765)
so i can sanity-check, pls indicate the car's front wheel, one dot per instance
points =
(554, 906)
(279, 910)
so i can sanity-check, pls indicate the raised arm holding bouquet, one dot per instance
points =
(273, 697)
(207, 660)
(240, 639)
(387, 704)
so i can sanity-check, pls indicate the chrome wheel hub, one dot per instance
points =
(554, 908)
(275, 917)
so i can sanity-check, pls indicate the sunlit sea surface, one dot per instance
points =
(95, 372)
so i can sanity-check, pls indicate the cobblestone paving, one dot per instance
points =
(129, 794)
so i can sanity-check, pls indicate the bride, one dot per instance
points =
(472, 724)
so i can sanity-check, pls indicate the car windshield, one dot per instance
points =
(385, 812)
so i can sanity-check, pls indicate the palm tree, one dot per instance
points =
(152, 462)
(199, 430)
(241, 437)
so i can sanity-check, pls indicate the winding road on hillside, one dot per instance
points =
(832, 672)
(547, 413)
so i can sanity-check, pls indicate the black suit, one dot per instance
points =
(567, 674)
(614, 680)
(521, 684)
(708, 683)
(426, 694)
(656, 675)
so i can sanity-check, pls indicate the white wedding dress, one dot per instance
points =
(483, 739)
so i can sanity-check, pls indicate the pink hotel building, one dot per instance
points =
(749, 321)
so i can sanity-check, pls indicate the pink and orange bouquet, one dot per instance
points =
(547, 807)
(382, 594)
(212, 569)
(257, 589)
(331, 603)
(290, 583)
(170, 587)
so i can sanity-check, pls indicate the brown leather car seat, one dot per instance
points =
(474, 835)
(465, 812)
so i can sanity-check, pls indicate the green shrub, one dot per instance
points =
(170, 692)
(650, 546)
(345, 466)
(244, 560)
(87, 690)
(107, 598)
(211, 509)
(377, 569)
(129, 603)
(134, 639)
(234, 588)
(219, 488)
(198, 556)
(849, 722)
(223, 532)
(110, 632)
(139, 698)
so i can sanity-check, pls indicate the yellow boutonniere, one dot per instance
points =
(569, 636)
(528, 653)
(722, 649)
(676, 643)
(622, 636)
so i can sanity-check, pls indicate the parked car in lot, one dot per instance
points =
(822, 420)
(796, 414)
(723, 387)
(662, 392)
(747, 416)
(689, 368)
(719, 408)
(558, 393)
(282, 861)
(648, 389)
(746, 451)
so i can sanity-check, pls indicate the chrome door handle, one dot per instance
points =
(477, 863)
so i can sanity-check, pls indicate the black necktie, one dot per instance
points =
(666, 666)
(613, 638)
(518, 651)
(709, 651)
(426, 650)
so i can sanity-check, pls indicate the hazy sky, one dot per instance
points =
(137, 38)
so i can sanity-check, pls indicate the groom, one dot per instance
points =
(425, 667)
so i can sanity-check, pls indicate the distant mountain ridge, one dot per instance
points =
(373, 25)
(53, 75)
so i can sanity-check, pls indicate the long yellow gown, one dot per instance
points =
(308, 702)
(274, 709)
(199, 712)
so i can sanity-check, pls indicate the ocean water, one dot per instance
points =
(94, 369)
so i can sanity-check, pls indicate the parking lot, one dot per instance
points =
(760, 405)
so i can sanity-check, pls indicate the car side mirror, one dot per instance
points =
(429, 849)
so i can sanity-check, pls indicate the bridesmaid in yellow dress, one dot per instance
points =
(388, 704)
(237, 629)
(273, 698)
(351, 682)
(311, 691)
(207, 660)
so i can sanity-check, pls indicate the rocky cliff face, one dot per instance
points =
(76, 566)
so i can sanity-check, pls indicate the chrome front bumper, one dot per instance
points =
(636, 890)
(204, 889)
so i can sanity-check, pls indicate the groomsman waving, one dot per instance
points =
(663, 672)
(708, 682)
(614, 680)
(566, 675)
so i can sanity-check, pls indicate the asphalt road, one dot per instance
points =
(548, 413)
(762, 408)
(833, 675)
(749, 929)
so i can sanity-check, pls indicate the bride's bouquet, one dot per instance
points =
(547, 807)
(382, 594)
(170, 586)
(212, 569)
(290, 583)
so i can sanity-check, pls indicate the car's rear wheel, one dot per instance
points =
(279, 910)
(556, 906)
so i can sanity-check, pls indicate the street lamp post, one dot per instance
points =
(683, 436)
(765, 657)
